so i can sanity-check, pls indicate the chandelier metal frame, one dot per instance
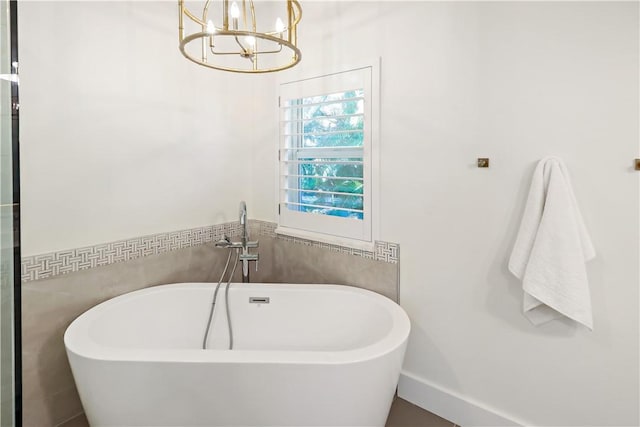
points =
(246, 38)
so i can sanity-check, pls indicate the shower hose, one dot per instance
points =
(226, 301)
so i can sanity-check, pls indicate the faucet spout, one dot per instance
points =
(243, 220)
(243, 212)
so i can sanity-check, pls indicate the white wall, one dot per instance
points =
(515, 82)
(121, 136)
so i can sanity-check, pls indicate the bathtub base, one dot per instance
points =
(168, 394)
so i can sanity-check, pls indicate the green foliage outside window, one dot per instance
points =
(333, 124)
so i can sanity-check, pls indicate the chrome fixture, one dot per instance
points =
(245, 256)
(224, 242)
(229, 39)
(244, 244)
(243, 219)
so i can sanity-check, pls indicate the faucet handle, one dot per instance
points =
(224, 242)
(248, 257)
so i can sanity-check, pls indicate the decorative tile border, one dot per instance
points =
(55, 263)
(388, 252)
(67, 261)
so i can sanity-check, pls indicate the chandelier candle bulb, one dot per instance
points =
(279, 26)
(234, 12)
(210, 27)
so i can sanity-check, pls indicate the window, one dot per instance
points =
(326, 145)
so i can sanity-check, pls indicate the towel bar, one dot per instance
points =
(637, 162)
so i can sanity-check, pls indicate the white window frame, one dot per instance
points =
(348, 232)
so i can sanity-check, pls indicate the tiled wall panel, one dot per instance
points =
(59, 286)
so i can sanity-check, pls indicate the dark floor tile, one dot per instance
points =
(405, 414)
(79, 421)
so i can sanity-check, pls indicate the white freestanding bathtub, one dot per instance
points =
(314, 355)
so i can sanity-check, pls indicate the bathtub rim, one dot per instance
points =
(78, 342)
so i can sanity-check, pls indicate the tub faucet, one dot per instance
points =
(245, 256)
(244, 244)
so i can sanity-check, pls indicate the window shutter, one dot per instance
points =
(324, 183)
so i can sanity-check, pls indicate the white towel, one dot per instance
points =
(551, 249)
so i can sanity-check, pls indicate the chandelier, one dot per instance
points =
(231, 40)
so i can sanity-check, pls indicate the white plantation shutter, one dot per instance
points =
(325, 154)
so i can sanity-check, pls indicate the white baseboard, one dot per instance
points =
(449, 405)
